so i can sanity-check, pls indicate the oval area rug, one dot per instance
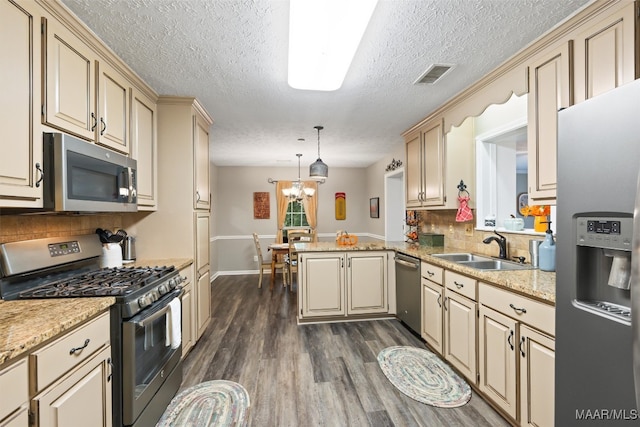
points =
(422, 376)
(211, 403)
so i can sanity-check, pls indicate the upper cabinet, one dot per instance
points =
(202, 196)
(605, 52)
(425, 166)
(549, 91)
(436, 163)
(74, 75)
(21, 145)
(144, 148)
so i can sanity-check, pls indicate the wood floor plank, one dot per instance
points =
(314, 374)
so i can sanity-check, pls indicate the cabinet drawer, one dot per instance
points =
(539, 315)
(461, 284)
(13, 387)
(57, 358)
(431, 272)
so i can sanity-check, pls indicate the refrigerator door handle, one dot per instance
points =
(635, 293)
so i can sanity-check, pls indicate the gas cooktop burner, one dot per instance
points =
(119, 281)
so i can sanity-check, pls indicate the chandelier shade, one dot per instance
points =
(318, 170)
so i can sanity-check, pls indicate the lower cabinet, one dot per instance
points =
(188, 313)
(70, 378)
(516, 344)
(14, 394)
(339, 284)
(432, 315)
(203, 306)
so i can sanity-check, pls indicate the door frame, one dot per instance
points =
(394, 204)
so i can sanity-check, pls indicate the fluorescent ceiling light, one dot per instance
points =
(323, 38)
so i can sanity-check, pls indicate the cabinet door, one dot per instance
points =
(14, 391)
(433, 168)
(144, 148)
(19, 419)
(605, 53)
(113, 108)
(367, 283)
(549, 91)
(202, 241)
(84, 394)
(69, 82)
(460, 334)
(498, 359)
(413, 171)
(201, 150)
(432, 299)
(537, 376)
(187, 317)
(321, 279)
(21, 143)
(203, 302)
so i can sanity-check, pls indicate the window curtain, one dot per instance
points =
(311, 205)
(282, 203)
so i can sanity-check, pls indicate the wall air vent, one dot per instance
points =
(434, 73)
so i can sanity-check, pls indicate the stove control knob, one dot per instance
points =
(143, 301)
(164, 288)
(173, 283)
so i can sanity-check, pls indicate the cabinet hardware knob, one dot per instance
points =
(445, 303)
(104, 126)
(430, 273)
(95, 122)
(458, 285)
(517, 309)
(438, 300)
(39, 169)
(521, 344)
(197, 196)
(510, 340)
(82, 347)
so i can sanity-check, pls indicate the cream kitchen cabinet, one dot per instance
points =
(425, 165)
(21, 145)
(460, 323)
(203, 285)
(549, 91)
(202, 196)
(83, 94)
(605, 51)
(188, 312)
(341, 284)
(516, 341)
(144, 146)
(71, 377)
(432, 306)
(14, 394)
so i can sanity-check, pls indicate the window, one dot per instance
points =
(295, 216)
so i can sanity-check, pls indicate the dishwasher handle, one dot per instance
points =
(407, 263)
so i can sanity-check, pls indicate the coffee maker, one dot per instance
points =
(603, 269)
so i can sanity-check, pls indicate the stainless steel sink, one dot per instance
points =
(482, 262)
(495, 264)
(461, 257)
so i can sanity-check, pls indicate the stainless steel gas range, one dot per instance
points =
(147, 369)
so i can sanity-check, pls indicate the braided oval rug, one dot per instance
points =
(422, 376)
(212, 403)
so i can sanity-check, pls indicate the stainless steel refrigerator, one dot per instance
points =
(598, 165)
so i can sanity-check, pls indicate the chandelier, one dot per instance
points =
(298, 191)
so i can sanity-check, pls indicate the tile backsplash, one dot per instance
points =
(14, 228)
(456, 235)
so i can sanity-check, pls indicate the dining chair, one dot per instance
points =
(262, 264)
(292, 260)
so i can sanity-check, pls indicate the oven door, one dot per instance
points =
(147, 357)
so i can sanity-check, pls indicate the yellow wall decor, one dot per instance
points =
(341, 206)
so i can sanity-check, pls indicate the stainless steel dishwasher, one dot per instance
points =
(408, 291)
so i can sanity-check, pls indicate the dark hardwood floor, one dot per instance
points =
(310, 375)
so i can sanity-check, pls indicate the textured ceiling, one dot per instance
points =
(232, 55)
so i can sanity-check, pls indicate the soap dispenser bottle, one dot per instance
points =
(547, 251)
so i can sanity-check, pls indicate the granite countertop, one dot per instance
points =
(26, 324)
(540, 285)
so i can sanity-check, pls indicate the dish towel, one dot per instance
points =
(174, 324)
(464, 211)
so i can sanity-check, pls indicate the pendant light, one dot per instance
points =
(318, 170)
(298, 191)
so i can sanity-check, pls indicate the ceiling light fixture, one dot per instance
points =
(323, 38)
(298, 191)
(318, 170)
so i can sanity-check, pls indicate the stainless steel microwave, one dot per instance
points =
(84, 177)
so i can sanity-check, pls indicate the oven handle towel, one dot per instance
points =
(174, 324)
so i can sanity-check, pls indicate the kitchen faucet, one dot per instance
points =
(502, 242)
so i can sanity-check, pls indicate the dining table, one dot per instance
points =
(276, 249)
